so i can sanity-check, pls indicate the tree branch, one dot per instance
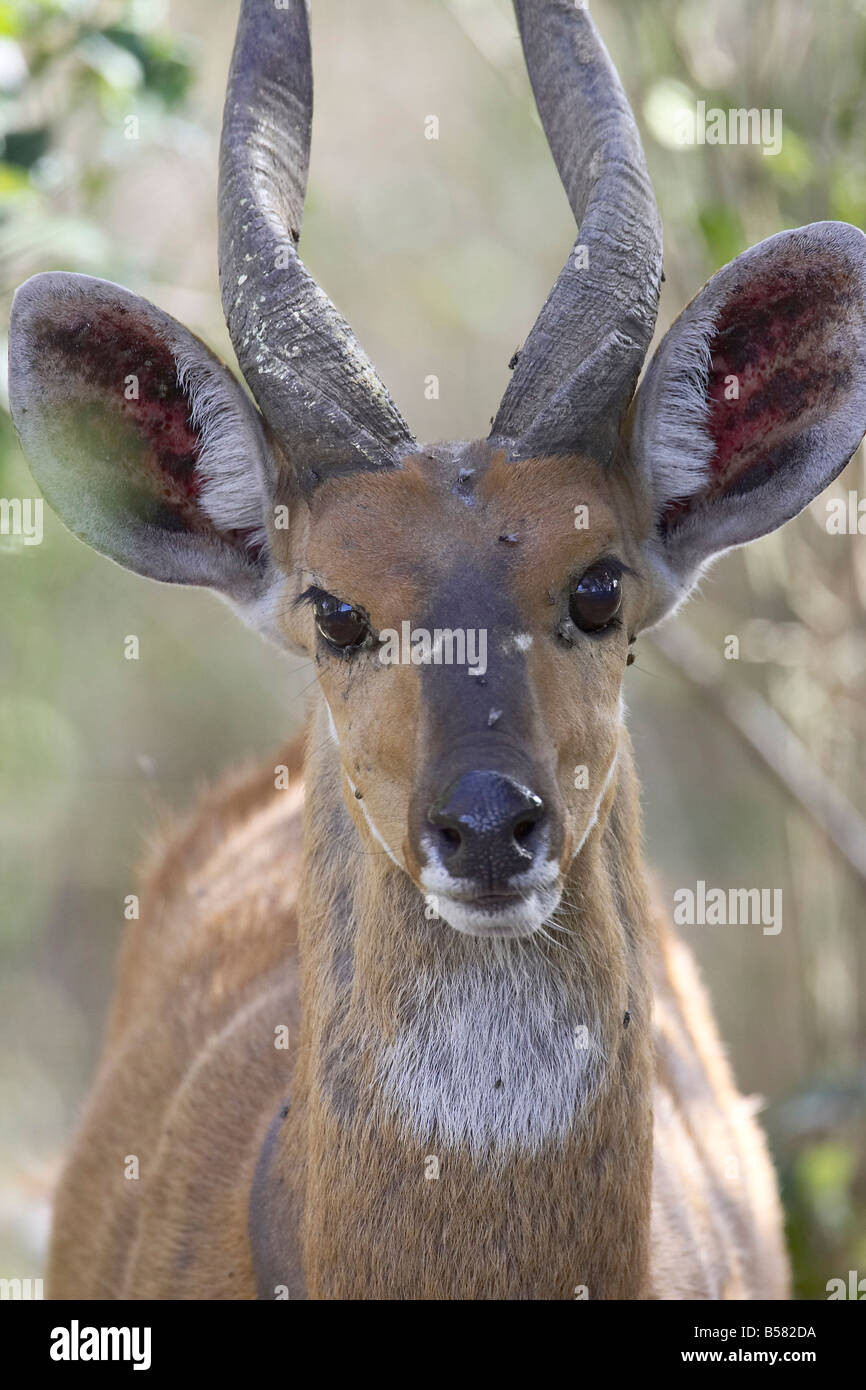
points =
(764, 732)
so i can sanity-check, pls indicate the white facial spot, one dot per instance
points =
(516, 642)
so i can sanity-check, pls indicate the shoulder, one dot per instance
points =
(259, 799)
(218, 897)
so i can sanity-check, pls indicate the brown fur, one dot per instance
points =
(266, 1172)
(192, 1082)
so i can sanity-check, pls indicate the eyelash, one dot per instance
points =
(312, 596)
(611, 562)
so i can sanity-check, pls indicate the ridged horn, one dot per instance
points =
(577, 371)
(315, 386)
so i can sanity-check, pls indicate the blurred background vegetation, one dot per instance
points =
(440, 254)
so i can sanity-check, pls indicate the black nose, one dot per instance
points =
(487, 827)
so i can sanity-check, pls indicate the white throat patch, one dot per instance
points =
(498, 1056)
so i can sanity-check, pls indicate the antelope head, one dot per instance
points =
(539, 552)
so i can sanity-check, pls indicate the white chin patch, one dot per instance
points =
(531, 899)
(512, 918)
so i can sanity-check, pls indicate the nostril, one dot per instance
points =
(450, 838)
(527, 820)
(447, 826)
(524, 828)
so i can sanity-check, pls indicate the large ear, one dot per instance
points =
(754, 401)
(140, 438)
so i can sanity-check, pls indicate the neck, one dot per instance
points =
(473, 1118)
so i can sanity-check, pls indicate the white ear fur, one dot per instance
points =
(226, 460)
(672, 446)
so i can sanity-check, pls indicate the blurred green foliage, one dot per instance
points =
(467, 234)
(824, 1191)
(72, 74)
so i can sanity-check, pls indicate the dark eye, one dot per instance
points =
(595, 599)
(340, 624)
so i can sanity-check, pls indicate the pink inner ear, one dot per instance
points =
(103, 352)
(777, 364)
(773, 368)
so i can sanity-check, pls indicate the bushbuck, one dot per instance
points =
(503, 1079)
